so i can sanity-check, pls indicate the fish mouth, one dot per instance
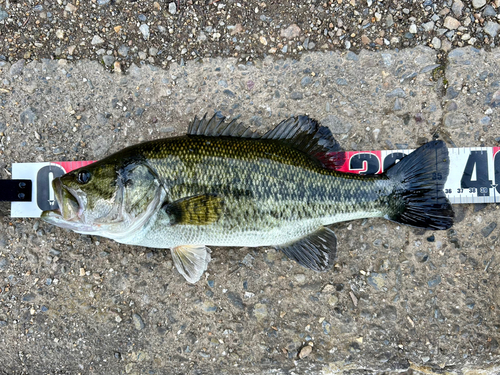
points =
(70, 204)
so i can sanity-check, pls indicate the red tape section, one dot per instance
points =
(366, 162)
(69, 166)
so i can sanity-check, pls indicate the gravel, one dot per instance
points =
(245, 30)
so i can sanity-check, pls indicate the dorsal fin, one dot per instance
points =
(217, 127)
(305, 134)
(300, 132)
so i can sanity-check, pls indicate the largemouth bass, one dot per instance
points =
(225, 185)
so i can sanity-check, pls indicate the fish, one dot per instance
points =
(223, 184)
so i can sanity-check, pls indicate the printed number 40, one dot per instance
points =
(481, 185)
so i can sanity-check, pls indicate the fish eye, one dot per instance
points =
(83, 177)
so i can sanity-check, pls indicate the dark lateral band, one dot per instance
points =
(15, 190)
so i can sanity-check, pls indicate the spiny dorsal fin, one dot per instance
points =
(316, 251)
(217, 127)
(300, 132)
(201, 209)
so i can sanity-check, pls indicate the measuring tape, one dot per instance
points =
(474, 171)
(474, 176)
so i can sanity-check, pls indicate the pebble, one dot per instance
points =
(70, 8)
(421, 257)
(3, 264)
(341, 82)
(235, 300)
(260, 311)
(396, 93)
(485, 120)
(336, 125)
(451, 93)
(478, 3)
(306, 81)
(451, 23)
(486, 231)
(332, 300)
(457, 8)
(300, 278)
(413, 28)
(123, 50)
(489, 11)
(248, 261)
(209, 306)
(455, 120)
(3, 15)
(389, 21)
(377, 280)
(436, 42)
(172, 8)
(28, 116)
(17, 67)
(138, 322)
(102, 2)
(492, 28)
(290, 32)
(305, 351)
(96, 40)
(144, 29)
(327, 327)
(434, 281)
(397, 105)
(108, 60)
(428, 26)
(60, 34)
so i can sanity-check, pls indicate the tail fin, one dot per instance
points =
(418, 198)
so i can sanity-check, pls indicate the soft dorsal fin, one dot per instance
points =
(300, 132)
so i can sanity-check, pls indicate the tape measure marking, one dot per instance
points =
(474, 175)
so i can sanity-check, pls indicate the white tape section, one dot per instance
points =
(474, 176)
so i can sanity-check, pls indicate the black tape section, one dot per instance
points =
(16, 190)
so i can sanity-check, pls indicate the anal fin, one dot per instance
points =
(316, 251)
(191, 261)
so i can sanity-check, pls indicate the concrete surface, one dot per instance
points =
(398, 300)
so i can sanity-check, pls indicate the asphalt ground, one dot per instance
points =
(398, 299)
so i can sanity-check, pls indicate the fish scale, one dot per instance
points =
(280, 185)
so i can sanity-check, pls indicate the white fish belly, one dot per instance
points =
(163, 236)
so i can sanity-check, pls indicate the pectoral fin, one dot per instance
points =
(191, 261)
(196, 210)
(317, 251)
